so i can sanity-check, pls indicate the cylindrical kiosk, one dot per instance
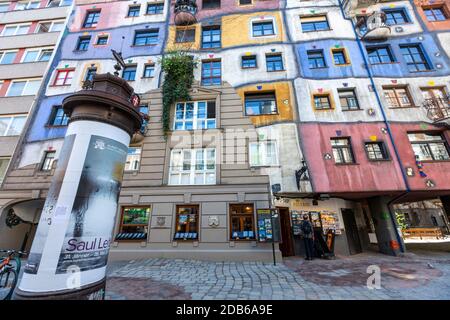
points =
(69, 254)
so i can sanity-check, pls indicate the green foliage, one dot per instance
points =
(178, 68)
(401, 220)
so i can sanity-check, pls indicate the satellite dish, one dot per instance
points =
(118, 57)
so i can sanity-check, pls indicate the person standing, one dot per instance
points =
(308, 236)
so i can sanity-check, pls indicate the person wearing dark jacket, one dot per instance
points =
(308, 236)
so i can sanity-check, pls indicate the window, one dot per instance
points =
(83, 43)
(245, 2)
(210, 4)
(12, 125)
(376, 151)
(396, 16)
(248, 62)
(149, 71)
(64, 77)
(133, 11)
(8, 57)
(263, 153)
(429, 146)
(379, 55)
(211, 73)
(146, 37)
(45, 55)
(91, 19)
(348, 99)
(192, 166)
(314, 23)
(435, 13)
(397, 97)
(90, 72)
(15, 30)
(211, 37)
(134, 224)
(342, 150)
(186, 222)
(185, 35)
(23, 88)
(129, 73)
(26, 5)
(144, 109)
(322, 102)
(274, 62)
(50, 26)
(316, 59)
(4, 162)
(59, 3)
(156, 8)
(415, 58)
(195, 115)
(133, 159)
(47, 162)
(242, 222)
(260, 103)
(261, 29)
(102, 40)
(4, 7)
(339, 57)
(58, 117)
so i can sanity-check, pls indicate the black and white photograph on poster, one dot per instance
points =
(34, 259)
(88, 235)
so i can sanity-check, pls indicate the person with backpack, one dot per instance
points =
(308, 236)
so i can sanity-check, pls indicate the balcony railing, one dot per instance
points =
(438, 109)
(373, 26)
(185, 11)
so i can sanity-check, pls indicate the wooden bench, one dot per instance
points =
(422, 232)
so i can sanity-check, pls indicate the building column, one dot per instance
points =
(446, 205)
(385, 226)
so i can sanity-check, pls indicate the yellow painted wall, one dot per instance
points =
(285, 102)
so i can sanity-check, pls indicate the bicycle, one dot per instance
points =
(9, 273)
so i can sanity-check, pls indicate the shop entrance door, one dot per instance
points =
(351, 229)
(287, 244)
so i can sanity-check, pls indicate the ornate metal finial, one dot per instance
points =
(120, 63)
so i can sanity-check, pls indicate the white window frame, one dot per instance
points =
(11, 119)
(262, 153)
(5, 5)
(52, 23)
(24, 88)
(40, 51)
(259, 20)
(17, 28)
(59, 5)
(27, 5)
(177, 172)
(2, 55)
(2, 177)
(133, 158)
(195, 119)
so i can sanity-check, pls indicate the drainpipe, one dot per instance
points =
(386, 122)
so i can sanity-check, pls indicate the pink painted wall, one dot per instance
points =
(111, 15)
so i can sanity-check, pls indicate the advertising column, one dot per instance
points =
(69, 254)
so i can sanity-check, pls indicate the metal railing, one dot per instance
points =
(438, 109)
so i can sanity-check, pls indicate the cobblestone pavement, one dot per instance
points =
(414, 276)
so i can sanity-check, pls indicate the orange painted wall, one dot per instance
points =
(437, 25)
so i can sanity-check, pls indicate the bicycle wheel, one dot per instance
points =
(8, 281)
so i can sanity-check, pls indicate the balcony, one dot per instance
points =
(373, 27)
(185, 11)
(438, 109)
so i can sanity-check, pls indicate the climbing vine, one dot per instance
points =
(178, 68)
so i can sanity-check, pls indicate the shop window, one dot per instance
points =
(397, 96)
(380, 54)
(129, 73)
(91, 19)
(342, 150)
(192, 166)
(134, 224)
(155, 8)
(322, 102)
(211, 72)
(348, 99)
(316, 59)
(47, 162)
(12, 125)
(248, 62)
(242, 222)
(195, 115)
(210, 4)
(58, 117)
(102, 40)
(376, 151)
(429, 146)
(149, 70)
(434, 14)
(260, 103)
(339, 57)
(8, 57)
(187, 222)
(263, 153)
(133, 11)
(396, 16)
(133, 159)
(146, 37)
(90, 72)
(415, 57)
(211, 37)
(64, 77)
(184, 35)
(4, 162)
(314, 23)
(274, 62)
(261, 29)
